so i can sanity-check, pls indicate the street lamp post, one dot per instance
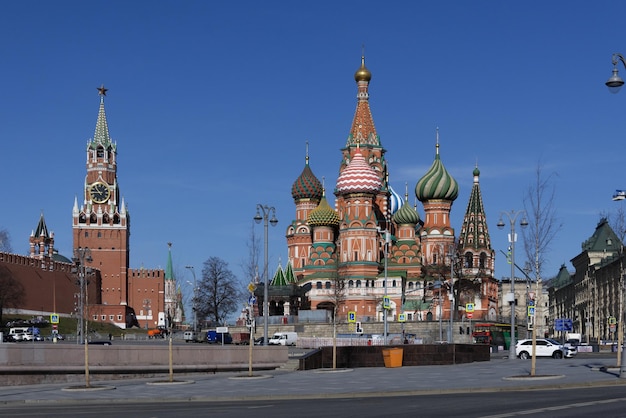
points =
(452, 299)
(614, 83)
(385, 296)
(81, 256)
(512, 215)
(266, 210)
(194, 300)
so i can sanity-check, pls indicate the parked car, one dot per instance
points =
(101, 342)
(544, 347)
(572, 348)
(259, 341)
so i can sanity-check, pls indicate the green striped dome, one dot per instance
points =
(437, 184)
(406, 215)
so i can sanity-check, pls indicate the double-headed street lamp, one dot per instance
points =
(512, 215)
(614, 83)
(82, 255)
(194, 301)
(265, 218)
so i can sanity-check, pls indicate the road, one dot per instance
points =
(595, 401)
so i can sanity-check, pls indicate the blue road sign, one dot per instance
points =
(563, 324)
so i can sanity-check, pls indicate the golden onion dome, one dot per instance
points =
(362, 74)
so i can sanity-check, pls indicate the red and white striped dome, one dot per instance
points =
(358, 177)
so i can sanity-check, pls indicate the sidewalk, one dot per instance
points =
(499, 374)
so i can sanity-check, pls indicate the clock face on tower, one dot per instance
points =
(99, 192)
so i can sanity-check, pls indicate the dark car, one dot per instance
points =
(100, 342)
(259, 341)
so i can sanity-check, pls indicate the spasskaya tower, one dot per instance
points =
(102, 223)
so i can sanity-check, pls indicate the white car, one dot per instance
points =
(544, 347)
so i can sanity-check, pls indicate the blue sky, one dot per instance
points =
(211, 104)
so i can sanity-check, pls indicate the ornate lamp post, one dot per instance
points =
(195, 297)
(266, 210)
(82, 255)
(614, 83)
(512, 215)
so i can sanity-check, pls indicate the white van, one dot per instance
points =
(284, 338)
(18, 330)
(190, 336)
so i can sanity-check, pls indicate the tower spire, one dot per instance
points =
(101, 135)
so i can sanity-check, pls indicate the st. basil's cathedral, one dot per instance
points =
(375, 246)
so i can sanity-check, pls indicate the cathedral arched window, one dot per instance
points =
(469, 260)
(100, 152)
(318, 285)
(483, 260)
(82, 218)
(105, 218)
(116, 219)
(327, 285)
(350, 283)
(93, 219)
(358, 283)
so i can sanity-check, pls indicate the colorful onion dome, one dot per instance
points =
(307, 186)
(437, 184)
(323, 215)
(358, 177)
(406, 215)
(362, 74)
(395, 200)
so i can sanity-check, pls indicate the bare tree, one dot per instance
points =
(250, 265)
(11, 290)
(5, 241)
(218, 291)
(543, 224)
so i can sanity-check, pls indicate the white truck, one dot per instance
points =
(284, 338)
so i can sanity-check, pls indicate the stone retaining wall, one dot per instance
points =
(35, 363)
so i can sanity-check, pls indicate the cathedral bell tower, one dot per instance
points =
(101, 223)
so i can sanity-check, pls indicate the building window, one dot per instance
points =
(104, 317)
(482, 261)
(469, 260)
(327, 285)
(119, 317)
(318, 285)
(358, 283)
(350, 283)
(111, 317)
(95, 317)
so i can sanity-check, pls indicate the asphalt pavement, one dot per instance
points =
(499, 374)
